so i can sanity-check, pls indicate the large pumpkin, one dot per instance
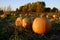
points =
(41, 25)
(26, 22)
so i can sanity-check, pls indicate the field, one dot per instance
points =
(8, 29)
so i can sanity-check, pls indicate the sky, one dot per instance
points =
(16, 3)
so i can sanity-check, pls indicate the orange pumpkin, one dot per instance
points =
(54, 16)
(42, 15)
(41, 25)
(3, 16)
(18, 21)
(18, 24)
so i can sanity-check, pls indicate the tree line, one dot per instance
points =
(36, 7)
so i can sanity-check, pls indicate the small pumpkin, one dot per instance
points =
(41, 25)
(26, 22)
(47, 16)
(18, 21)
(3, 16)
(18, 24)
(54, 16)
(42, 15)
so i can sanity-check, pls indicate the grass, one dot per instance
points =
(9, 33)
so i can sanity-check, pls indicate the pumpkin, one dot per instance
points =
(3, 16)
(54, 16)
(26, 22)
(42, 15)
(18, 24)
(18, 21)
(47, 16)
(41, 25)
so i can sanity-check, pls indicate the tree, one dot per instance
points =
(20, 8)
(47, 9)
(29, 7)
(43, 3)
(33, 7)
(17, 11)
(24, 9)
(54, 9)
(40, 6)
(1, 12)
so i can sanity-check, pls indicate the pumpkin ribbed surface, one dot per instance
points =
(18, 21)
(41, 25)
(26, 22)
(18, 24)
